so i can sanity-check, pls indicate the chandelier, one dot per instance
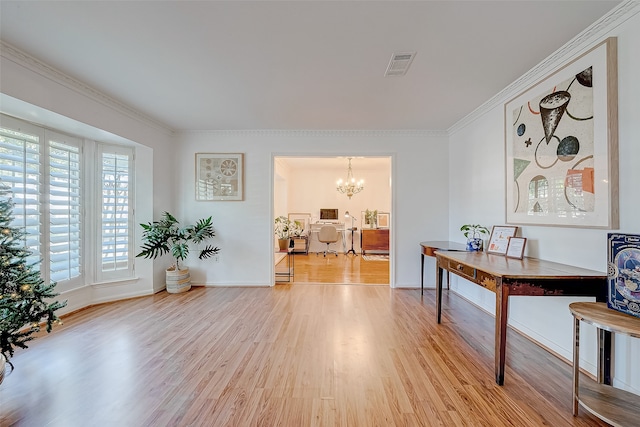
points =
(350, 186)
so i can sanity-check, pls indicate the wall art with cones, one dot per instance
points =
(561, 141)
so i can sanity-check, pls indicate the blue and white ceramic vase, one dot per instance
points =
(474, 244)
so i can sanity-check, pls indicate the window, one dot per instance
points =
(116, 188)
(46, 195)
(45, 171)
(64, 207)
(20, 170)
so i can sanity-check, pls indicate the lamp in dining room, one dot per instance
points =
(350, 186)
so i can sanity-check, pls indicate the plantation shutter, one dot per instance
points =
(64, 208)
(116, 229)
(20, 171)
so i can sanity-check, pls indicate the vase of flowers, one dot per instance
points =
(371, 218)
(284, 229)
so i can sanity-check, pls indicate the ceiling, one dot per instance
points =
(240, 65)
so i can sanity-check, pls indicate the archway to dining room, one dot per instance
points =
(305, 192)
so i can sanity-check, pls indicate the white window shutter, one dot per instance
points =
(116, 207)
(20, 170)
(64, 209)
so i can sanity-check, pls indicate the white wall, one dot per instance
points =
(35, 92)
(244, 229)
(477, 194)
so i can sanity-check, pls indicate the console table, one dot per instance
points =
(615, 406)
(508, 276)
(429, 248)
(284, 272)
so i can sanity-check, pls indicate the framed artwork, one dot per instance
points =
(368, 222)
(302, 220)
(383, 220)
(515, 247)
(499, 240)
(561, 145)
(219, 176)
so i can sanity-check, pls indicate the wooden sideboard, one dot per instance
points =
(529, 277)
(374, 240)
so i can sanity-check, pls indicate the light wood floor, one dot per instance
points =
(345, 269)
(291, 355)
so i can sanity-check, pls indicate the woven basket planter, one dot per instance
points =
(178, 280)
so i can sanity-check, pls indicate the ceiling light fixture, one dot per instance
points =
(350, 186)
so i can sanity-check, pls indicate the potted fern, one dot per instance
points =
(167, 236)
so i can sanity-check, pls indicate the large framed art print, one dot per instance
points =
(561, 145)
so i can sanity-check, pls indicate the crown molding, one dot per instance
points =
(312, 133)
(14, 54)
(581, 43)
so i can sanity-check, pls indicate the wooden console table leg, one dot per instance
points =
(576, 364)
(502, 301)
(604, 357)
(421, 274)
(438, 290)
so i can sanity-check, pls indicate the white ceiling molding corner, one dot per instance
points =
(573, 48)
(23, 59)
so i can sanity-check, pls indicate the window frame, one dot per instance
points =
(90, 195)
(124, 273)
(56, 136)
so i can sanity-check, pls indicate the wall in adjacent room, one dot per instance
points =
(477, 195)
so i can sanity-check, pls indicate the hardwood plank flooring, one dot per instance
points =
(343, 269)
(291, 355)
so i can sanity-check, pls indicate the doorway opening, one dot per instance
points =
(305, 191)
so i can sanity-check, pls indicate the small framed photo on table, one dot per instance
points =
(499, 240)
(515, 248)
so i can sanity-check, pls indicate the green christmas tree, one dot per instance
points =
(25, 299)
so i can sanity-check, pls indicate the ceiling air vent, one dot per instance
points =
(399, 64)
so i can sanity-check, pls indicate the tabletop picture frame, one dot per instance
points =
(515, 247)
(383, 220)
(499, 240)
(219, 176)
(561, 145)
